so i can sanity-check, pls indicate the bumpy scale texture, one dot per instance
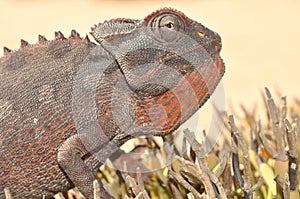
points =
(67, 104)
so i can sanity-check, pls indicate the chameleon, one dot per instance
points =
(67, 104)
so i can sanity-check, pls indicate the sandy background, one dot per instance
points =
(261, 39)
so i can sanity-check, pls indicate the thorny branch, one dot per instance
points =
(199, 151)
(246, 183)
(274, 115)
(292, 154)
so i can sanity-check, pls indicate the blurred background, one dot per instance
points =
(261, 38)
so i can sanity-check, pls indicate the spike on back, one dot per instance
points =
(6, 50)
(41, 39)
(74, 35)
(59, 36)
(86, 39)
(24, 43)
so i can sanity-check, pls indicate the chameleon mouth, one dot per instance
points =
(155, 78)
(154, 88)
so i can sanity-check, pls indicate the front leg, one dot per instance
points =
(81, 173)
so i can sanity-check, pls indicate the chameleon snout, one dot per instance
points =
(216, 43)
(209, 39)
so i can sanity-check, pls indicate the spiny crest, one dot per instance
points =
(86, 39)
(74, 35)
(42, 40)
(59, 36)
(24, 43)
(169, 10)
(6, 50)
(110, 28)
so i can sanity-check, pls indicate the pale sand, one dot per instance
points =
(261, 39)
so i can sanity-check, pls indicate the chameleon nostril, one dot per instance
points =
(201, 34)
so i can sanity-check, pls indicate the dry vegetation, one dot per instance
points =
(255, 160)
(259, 160)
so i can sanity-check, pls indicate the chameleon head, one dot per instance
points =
(170, 25)
(158, 51)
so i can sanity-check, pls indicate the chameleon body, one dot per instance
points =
(67, 104)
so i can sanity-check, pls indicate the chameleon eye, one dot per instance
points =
(167, 27)
(170, 25)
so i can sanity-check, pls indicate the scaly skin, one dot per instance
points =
(56, 95)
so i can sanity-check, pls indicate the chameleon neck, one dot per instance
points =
(167, 112)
